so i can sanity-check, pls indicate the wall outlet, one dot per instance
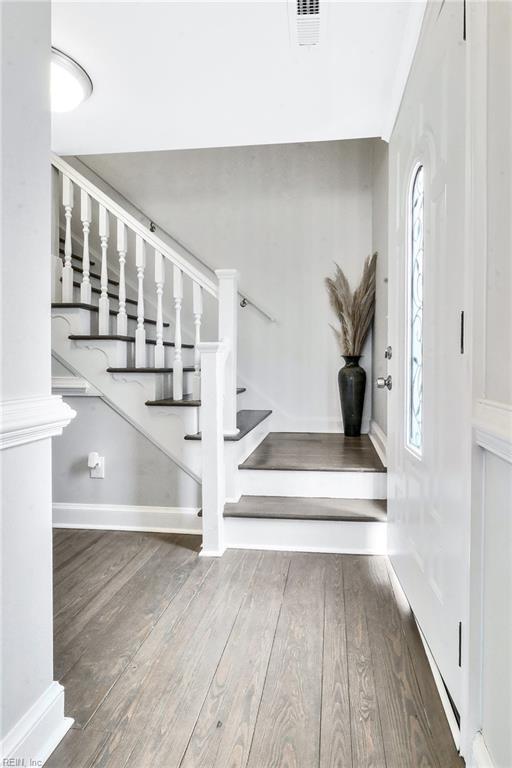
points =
(96, 466)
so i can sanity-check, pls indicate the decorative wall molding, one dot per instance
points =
(33, 418)
(126, 517)
(379, 440)
(481, 756)
(73, 386)
(34, 737)
(492, 427)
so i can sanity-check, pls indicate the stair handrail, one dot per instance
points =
(135, 226)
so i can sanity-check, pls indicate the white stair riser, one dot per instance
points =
(331, 485)
(122, 353)
(237, 451)
(306, 535)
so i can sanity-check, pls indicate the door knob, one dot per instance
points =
(387, 382)
(388, 353)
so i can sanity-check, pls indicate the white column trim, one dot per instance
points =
(33, 418)
(38, 732)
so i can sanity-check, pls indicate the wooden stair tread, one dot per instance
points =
(314, 452)
(94, 308)
(95, 289)
(188, 401)
(186, 369)
(95, 275)
(300, 508)
(115, 337)
(76, 256)
(246, 421)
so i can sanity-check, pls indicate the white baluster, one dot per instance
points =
(104, 304)
(85, 214)
(197, 309)
(122, 247)
(177, 377)
(67, 269)
(140, 333)
(159, 281)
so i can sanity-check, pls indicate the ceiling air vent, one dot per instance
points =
(308, 22)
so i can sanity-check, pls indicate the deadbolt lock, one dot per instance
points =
(387, 382)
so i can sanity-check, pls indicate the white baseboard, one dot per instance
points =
(35, 736)
(340, 537)
(122, 517)
(379, 440)
(481, 756)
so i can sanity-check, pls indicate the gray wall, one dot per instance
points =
(380, 179)
(281, 215)
(136, 471)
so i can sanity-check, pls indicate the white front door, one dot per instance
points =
(428, 450)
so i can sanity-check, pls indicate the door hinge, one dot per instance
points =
(460, 643)
(462, 329)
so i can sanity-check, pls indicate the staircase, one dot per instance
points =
(141, 345)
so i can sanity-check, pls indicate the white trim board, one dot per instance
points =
(379, 441)
(481, 756)
(126, 517)
(492, 427)
(34, 737)
(73, 386)
(32, 418)
(330, 536)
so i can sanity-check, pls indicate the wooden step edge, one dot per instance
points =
(95, 275)
(94, 308)
(95, 289)
(246, 421)
(115, 337)
(187, 401)
(295, 508)
(186, 369)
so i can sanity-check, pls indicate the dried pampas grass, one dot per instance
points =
(354, 310)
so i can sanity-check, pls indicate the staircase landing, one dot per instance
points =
(315, 451)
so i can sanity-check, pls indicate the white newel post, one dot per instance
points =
(140, 333)
(177, 375)
(104, 304)
(67, 269)
(122, 247)
(197, 309)
(228, 333)
(85, 215)
(213, 357)
(159, 282)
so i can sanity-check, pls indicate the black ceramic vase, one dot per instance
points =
(352, 383)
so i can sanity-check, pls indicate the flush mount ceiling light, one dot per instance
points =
(70, 83)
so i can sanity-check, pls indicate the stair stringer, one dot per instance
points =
(127, 394)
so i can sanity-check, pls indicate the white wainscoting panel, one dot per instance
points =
(122, 517)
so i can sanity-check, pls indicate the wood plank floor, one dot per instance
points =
(315, 451)
(252, 660)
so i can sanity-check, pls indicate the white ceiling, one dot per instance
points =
(178, 75)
